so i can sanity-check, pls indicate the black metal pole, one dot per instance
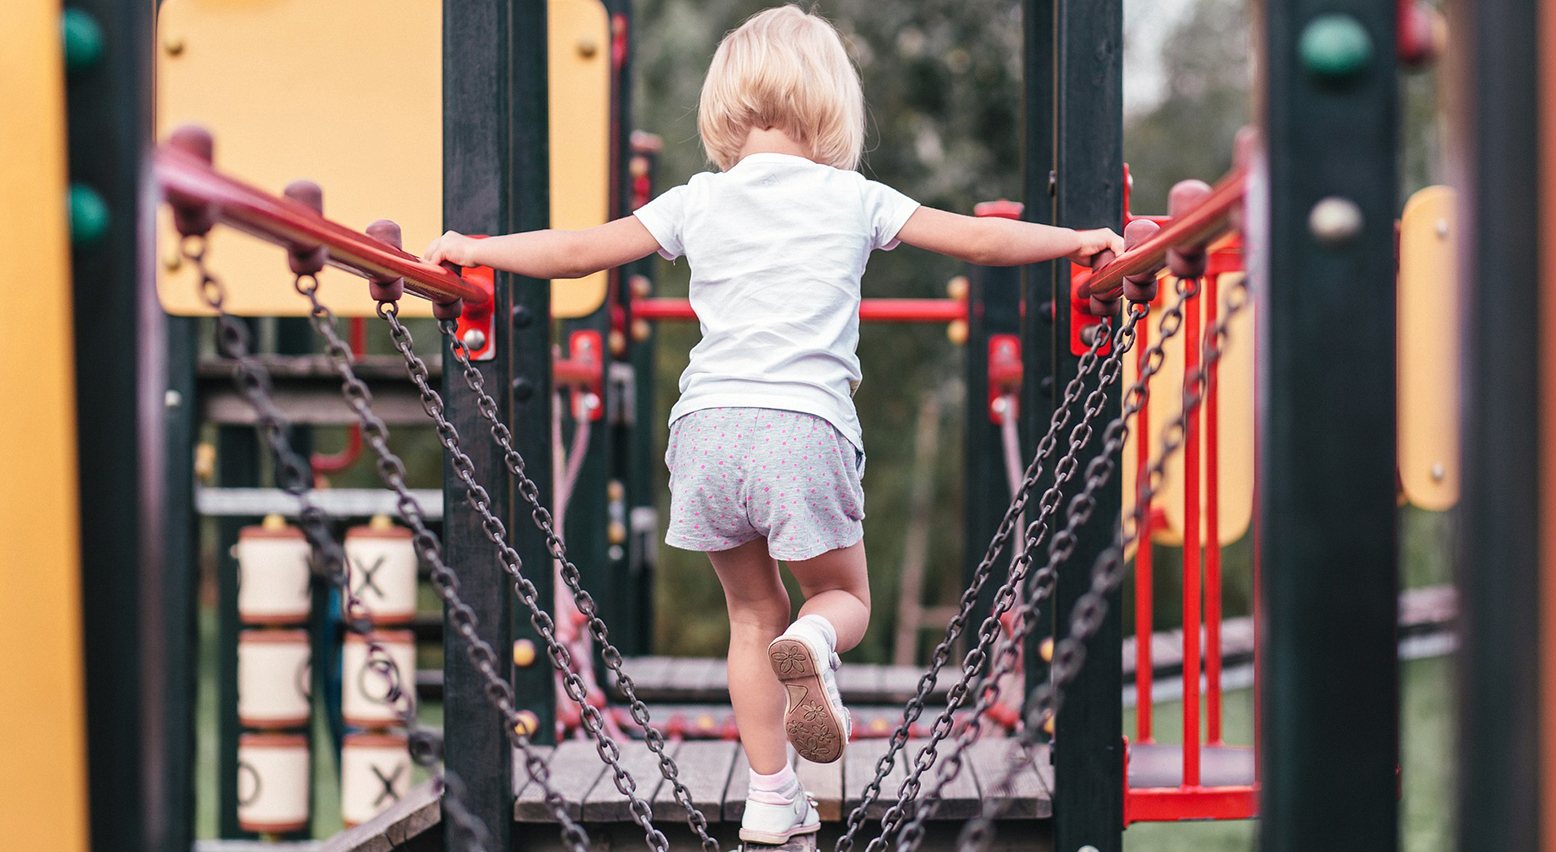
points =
(1327, 427)
(132, 787)
(1088, 193)
(1497, 121)
(1038, 394)
(494, 84)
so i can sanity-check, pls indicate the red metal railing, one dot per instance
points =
(1201, 604)
(870, 310)
(182, 168)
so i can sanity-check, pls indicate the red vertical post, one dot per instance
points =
(1143, 596)
(1212, 536)
(1191, 554)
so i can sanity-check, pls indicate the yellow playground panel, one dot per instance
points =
(43, 790)
(1429, 350)
(298, 89)
(1235, 409)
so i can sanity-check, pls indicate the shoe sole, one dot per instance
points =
(778, 839)
(813, 727)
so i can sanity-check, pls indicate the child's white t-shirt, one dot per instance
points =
(777, 245)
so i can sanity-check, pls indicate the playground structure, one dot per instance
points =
(1315, 208)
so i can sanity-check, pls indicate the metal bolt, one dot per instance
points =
(474, 340)
(1000, 405)
(522, 316)
(524, 653)
(1439, 473)
(1442, 229)
(173, 44)
(523, 389)
(88, 215)
(587, 47)
(1334, 221)
(173, 259)
(83, 39)
(1089, 334)
(1087, 848)
(172, 399)
(616, 553)
(528, 723)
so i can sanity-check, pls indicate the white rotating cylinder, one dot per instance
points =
(274, 667)
(273, 782)
(273, 575)
(365, 688)
(375, 772)
(382, 559)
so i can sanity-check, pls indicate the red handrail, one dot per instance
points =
(870, 310)
(187, 180)
(1196, 227)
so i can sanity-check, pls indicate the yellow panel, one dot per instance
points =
(1429, 350)
(579, 62)
(1235, 386)
(300, 89)
(43, 791)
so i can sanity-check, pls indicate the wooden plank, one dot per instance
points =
(704, 769)
(735, 790)
(648, 675)
(859, 762)
(606, 803)
(715, 678)
(402, 822)
(900, 683)
(824, 782)
(522, 781)
(575, 768)
(860, 682)
(1030, 795)
(801, 843)
(958, 799)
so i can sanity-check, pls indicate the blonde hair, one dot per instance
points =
(787, 69)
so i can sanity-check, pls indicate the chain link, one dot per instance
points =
(496, 532)
(460, 616)
(571, 576)
(1007, 654)
(1109, 568)
(942, 653)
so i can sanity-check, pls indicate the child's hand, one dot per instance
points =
(1094, 241)
(453, 247)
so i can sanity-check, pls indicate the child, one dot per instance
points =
(765, 450)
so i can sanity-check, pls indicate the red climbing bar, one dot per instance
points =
(1200, 225)
(186, 180)
(1191, 555)
(1212, 534)
(870, 310)
(1144, 604)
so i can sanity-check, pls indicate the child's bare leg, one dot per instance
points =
(837, 588)
(758, 612)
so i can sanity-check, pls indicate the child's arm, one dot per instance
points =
(992, 241)
(550, 254)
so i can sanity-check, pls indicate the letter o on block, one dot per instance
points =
(273, 576)
(273, 678)
(375, 772)
(273, 782)
(365, 699)
(383, 572)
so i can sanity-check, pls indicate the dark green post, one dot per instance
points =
(646, 467)
(1327, 427)
(139, 796)
(1499, 102)
(495, 182)
(1038, 394)
(1088, 193)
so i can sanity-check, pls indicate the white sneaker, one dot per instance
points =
(774, 824)
(815, 720)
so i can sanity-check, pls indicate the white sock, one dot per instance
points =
(819, 627)
(779, 788)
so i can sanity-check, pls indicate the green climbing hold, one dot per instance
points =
(88, 215)
(1335, 47)
(83, 39)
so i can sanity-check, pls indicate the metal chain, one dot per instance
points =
(985, 684)
(585, 602)
(942, 653)
(496, 532)
(294, 476)
(1109, 568)
(461, 617)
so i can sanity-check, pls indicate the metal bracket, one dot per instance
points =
(476, 328)
(1005, 372)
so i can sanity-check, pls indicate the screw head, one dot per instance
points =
(523, 389)
(524, 653)
(172, 399)
(1439, 473)
(1335, 47)
(1442, 229)
(1335, 221)
(474, 340)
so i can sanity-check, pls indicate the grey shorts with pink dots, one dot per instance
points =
(738, 474)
